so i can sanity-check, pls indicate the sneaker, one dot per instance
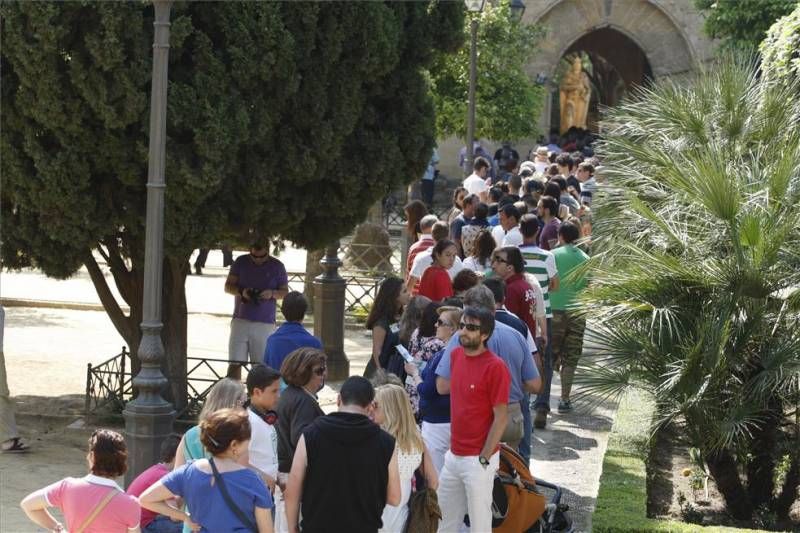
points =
(540, 420)
(564, 406)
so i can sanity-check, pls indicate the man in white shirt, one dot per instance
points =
(263, 388)
(507, 232)
(475, 183)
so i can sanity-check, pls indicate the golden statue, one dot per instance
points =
(574, 92)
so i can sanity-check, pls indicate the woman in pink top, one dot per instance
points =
(91, 504)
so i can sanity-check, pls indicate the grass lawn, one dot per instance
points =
(622, 499)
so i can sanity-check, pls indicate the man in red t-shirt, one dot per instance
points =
(479, 389)
(508, 264)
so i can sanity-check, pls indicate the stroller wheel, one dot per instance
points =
(562, 523)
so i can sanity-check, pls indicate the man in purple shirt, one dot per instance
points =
(548, 211)
(257, 280)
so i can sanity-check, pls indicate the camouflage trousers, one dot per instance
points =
(567, 338)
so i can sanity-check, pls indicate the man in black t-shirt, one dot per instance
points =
(345, 468)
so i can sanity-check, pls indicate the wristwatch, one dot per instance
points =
(483, 461)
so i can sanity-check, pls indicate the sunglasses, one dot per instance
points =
(320, 370)
(262, 256)
(470, 327)
(441, 322)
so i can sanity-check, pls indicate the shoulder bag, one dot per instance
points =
(97, 510)
(243, 518)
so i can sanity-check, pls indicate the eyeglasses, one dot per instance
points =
(499, 260)
(470, 327)
(320, 370)
(441, 322)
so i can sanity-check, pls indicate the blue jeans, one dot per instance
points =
(162, 524)
(527, 429)
(543, 398)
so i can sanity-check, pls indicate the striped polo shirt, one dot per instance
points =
(542, 264)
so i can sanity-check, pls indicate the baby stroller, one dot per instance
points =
(519, 506)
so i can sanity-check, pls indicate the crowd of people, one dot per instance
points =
(463, 353)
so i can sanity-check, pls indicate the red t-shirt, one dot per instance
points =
(142, 482)
(436, 284)
(477, 384)
(521, 300)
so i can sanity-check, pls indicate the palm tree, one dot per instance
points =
(695, 283)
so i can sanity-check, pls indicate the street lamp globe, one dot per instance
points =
(517, 9)
(474, 6)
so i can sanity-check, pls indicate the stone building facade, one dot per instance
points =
(637, 39)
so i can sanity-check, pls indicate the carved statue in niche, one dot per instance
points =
(574, 94)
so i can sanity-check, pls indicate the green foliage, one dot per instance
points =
(508, 102)
(742, 23)
(697, 237)
(780, 51)
(288, 118)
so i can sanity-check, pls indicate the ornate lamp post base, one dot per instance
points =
(329, 290)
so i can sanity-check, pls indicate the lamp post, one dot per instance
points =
(329, 289)
(148, 418)
(475, 7)
(517, 9)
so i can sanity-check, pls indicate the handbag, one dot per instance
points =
(423, 506)
(243, 518)
(96, 511)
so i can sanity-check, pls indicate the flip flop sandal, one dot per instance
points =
(17, 446)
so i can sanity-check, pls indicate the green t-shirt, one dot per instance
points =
(567, 258)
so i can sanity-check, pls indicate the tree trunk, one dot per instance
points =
(788, 492)
(761, 468)
(130, 283)
(723, 469)
(174, 333)
(313, 269)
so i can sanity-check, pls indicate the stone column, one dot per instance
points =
(329, 290)
(148, 418)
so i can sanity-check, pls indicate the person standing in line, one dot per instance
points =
(304, 372)
(152, 522)
(257, 281)
(459, 193)
(291, 335)
(94, 503)
(568, 323)
(475, 183)
(470, 203)
(424, 259)
(541, 264)
(221, 492)
(479, 413)
(434, 407)
(263, 390)
(345, 468)
(548, 212)
(436, 283)
(425, 241)
(384, 322)
(393, 414)
(9, 436)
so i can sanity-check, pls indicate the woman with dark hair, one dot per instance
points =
(552, 189)
(423, 345)
(458, 205)
(91, 504)
(304, 371)
(435, 282)
(464, 281)
(383, 320)
(480, 260)
(221, 492)
(415, 210)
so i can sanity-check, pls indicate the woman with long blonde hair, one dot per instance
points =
(393, 413)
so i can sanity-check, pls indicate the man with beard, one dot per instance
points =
(479, 413)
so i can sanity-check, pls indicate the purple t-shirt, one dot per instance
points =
(549, 233)
(270, 275)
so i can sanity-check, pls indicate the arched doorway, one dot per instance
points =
(616, 65)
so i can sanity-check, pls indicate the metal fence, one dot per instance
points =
(109, 384)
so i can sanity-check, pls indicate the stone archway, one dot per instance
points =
(666, 32)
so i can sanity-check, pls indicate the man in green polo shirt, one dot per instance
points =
(567, 324)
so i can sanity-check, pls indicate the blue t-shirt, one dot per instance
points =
(511, 347)
(206, 505)
(286, 339)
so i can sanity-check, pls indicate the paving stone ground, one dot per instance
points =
(47, 350)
